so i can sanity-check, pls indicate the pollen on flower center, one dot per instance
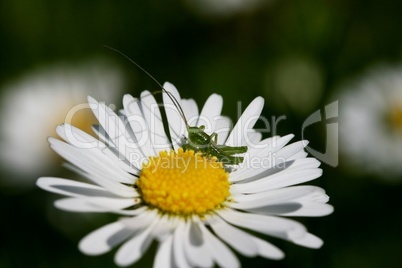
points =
(183, 182)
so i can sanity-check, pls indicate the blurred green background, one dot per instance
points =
(239, 56)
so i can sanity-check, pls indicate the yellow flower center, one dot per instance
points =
(183, 183)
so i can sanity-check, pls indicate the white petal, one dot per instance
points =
(195, 247)
(146, 218)
(190, 109)
(77, 137)
(212, 108)
(135, 248)
(277, 142)
(253, 137)
(177, 126)
(223, 256)
(152, 115)
(138, 125)
(163, 258)
(222, 128)
(88, 164)
(113, 203)
(293, 209)
(298, 155)
(275, 209)
(94, 149)
(288, 166)
(81, 205)
(245, 123)
(311, 210)
(115, 155)
(164, 228)
(276, 196)
(309, 241)
(77, 205)
(291, 149)
(115, 129)
(270, 225)
(265, 150)
(318, 196)
(237, 239)
(294, 177)
(71, 188)
(278, 180)
(95, 204)
(101, 174)
(127, 166)
(101, 133)
(263, 170)
(106, 118)
(267, 250)
(104, 239)
(180, 259)
(133, 212)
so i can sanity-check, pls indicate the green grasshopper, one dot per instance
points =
(198, 140)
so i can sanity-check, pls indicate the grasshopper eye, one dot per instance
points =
(202, 127)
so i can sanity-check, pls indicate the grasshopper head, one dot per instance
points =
(195, 130)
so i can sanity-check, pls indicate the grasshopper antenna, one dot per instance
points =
(170, 95)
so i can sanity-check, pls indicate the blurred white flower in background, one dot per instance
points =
(35, 103)
(371, 123)
(223, 7)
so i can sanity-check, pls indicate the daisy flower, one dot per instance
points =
(371, 109)
(43, 99)
(197, 208)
